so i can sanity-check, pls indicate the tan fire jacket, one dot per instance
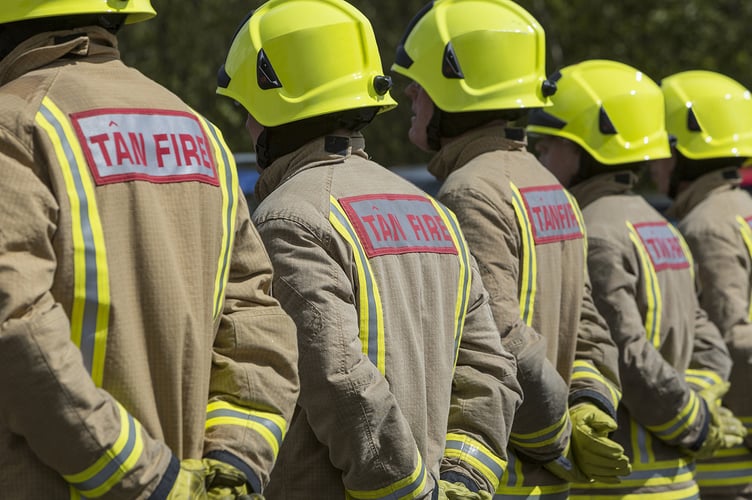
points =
(403, 375)
(643, 284)
(715, 217)
(136, 326)
(526, 233)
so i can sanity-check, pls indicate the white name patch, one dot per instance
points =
(663, 247)
(152, 145)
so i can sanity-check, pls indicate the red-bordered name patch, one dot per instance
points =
(396, 224)
(145, 144)
(551, 214)
(663, 246)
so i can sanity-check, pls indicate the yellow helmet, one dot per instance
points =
(476, 55)
(709, 113)
(614, 111)
(20, 10)
(296, 59)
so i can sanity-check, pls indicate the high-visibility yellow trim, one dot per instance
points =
(228, 182)
(549, 492)
(465, 278)
(270, 426)
(405, 489)
(111, 467)
(583, 369)
(90, 311)
(685, 493)
(542, 437)
(653, 290)
(681, 422)
(702, 378)
(371, 315)
(747, 237)
(475, 453)
(529, 264)
(685, 249)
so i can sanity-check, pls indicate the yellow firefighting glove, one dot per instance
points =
(458, 491)
(597, 456)
(724, 429)
(565, 468)
(191, 481)
(224, 481)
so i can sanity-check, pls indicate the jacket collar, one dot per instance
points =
(467, 146)
(325, 150)
(611, 183)
(724, 179)
(45, 48)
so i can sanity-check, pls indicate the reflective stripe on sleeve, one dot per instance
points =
(475, 453)
(746, 231)
(652, 290)
(702, 379)
(543, 437)
(585, 370)
(98, 479)
(228, 182)
(270, 426)
(528, 266)
(90, 312)
(681, 422)
(370, 314)
(405, 489)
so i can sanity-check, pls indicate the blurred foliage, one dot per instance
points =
(183, 47)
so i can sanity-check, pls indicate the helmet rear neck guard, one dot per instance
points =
(612, 110)
(292, 60)
(709, 113)
(476, 55)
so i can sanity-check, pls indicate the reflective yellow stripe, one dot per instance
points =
(528, 266)
(686, 493)
(582, 369)
(681, 422)
(90, 312)
(117, 461)
(475, 453)
(371, 316)
(405, 489)
(580, 219)
(702, 378)
(747, 237)
(465, 278)
(653, 290)
(270, 426)
(642, 443)
(543, 437)
(551, 492)
(228, 183)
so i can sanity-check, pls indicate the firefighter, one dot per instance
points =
(525, 231)
(605, 122)
(406, 390)
(710, 117)
(140, 351)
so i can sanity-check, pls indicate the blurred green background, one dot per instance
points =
(183, 47)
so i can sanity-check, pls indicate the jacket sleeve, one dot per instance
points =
(348, 403)
(654, 393)
(595, 376)
(485, 396)
(541, 428)
(49, 398)
(254, 381)
(724, 268)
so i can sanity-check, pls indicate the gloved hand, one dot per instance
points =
(724, 430)
(191, 481)
(224, 481)
(565, 468)
(597, 456)
(458, 491)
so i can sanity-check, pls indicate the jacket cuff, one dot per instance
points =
(168, 480)
(457, 477)
(705, 428)
(225, 456)
(593, 397)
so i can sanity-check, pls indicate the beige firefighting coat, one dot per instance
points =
(642, 276)
(715, 217)
(524, 230)
(402, 371)
(135, 322)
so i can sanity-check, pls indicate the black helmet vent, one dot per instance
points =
(265, 75)
(450, 66)
(604, 123)
(692, 123)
